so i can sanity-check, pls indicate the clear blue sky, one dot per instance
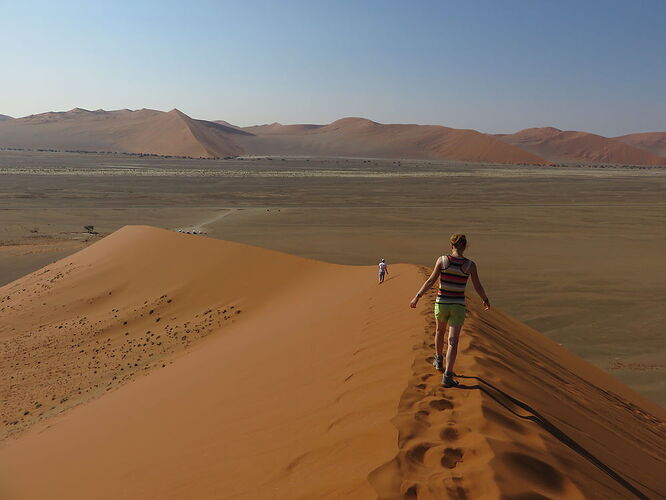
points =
(494, 66)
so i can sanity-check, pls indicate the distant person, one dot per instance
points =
(453, 270)
(383, 270)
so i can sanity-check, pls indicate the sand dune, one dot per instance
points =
(142, 131)
(653, 142)
(572, 146)
(272, 376)
(5, 117)
(358, 137)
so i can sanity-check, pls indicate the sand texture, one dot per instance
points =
(153, 364)
(581, 147)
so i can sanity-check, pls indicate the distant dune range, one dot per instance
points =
(154, 364)
(175, 134)
(364, 138)
(580, 147)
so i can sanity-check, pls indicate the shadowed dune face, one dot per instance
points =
(272, 375)
(572, 146)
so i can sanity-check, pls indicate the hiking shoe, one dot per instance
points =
(447, 380)
(438, 363)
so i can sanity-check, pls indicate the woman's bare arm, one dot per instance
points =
(474, 272)
(428, 283)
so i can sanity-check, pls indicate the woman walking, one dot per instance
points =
(453, 270)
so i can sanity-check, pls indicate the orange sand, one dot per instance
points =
(272, 376)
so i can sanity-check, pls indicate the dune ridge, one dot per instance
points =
(283, 377)
(573, 146)
(653, 142)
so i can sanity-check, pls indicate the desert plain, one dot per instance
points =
(573, 252)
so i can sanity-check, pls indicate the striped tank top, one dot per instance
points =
(452, 280)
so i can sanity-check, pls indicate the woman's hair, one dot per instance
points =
(459, 241)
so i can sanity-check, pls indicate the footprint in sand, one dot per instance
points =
(417, 453)
(451, 457)
(459, 493)
(410, 493)
(441, 404)
(449, 434)
(421, 415)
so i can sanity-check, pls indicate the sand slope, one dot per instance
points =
(5, 117)
(654, 142)
(272, 376)
(573, 146)
(358, 137)
(290, 395)
(141, 131)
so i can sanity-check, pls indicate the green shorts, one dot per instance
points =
(453, 314)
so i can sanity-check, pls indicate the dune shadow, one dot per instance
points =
(501, 397)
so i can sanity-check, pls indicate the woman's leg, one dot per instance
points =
(439, 337)
(452, 350)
